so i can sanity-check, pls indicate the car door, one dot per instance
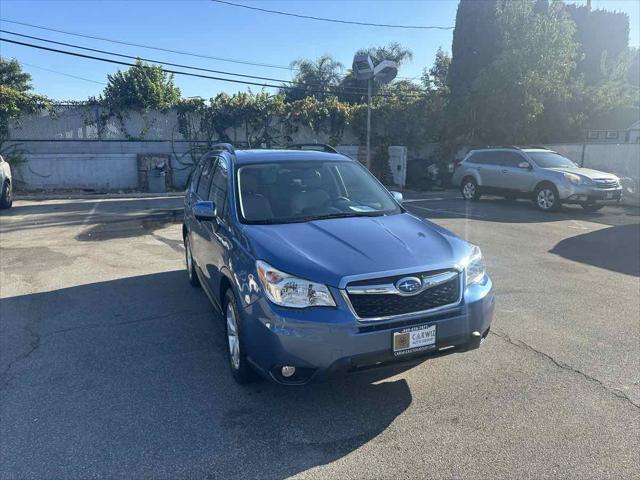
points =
(515, 178)
(218, 233)
(488, 169)
(198, 228)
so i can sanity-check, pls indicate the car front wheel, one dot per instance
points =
(240, 368)
(546, 198)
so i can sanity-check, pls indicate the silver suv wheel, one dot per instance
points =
(546, 198)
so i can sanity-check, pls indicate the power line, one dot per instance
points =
(179, 52)
(348, 89)
(160, 49)
(332, 20)
(176, 72)
(62, 73)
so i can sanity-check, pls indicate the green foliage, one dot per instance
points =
(603, 38)
(142, 86)
(313, 78)
(15, 101)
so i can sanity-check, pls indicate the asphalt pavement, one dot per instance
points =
(112, 366)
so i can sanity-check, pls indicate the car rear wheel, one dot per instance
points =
(6, 198)
(591, 207)
(191, 267)
(546, 198)
(469, 189)
(240, 368)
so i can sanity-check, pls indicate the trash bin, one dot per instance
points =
(156, 181)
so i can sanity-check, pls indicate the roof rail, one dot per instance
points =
(223, 146)
(301, 146)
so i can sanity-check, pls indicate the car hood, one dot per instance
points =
(328, 250)
(586, 172)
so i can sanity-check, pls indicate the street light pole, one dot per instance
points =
(369, 85)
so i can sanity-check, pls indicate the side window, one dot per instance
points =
(483, 158)
(509, 159)
(205, 179)
(218, 193)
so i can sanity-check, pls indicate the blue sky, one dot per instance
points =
(224, 31)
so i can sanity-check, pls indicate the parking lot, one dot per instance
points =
(112, 365)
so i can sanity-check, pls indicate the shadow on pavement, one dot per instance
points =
(128, 378)
(613, 248)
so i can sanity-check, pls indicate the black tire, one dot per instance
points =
(6, 197)
(238, 363)
(591, 207)
(190, 264)
(546, 198)
(469, 189)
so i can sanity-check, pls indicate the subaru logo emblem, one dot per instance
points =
(409, 285)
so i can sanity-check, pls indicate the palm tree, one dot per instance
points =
(314, 78)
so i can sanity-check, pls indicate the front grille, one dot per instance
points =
(606, 183)
(386, 305)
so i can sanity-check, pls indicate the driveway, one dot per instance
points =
(111, 365)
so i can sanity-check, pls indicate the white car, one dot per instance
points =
(6, 195)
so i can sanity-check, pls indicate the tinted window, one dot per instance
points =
(205, 179)
(508, 159)
(305, 191)
(218, 193)
(483, 158)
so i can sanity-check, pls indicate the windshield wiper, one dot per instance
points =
(344, 215)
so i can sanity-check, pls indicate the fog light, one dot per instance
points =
(287, 371)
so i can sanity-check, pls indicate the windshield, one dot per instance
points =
(551, 160)
(285, 192)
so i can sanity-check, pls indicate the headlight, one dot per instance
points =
(475, 267)
(289, 291)
(572, 178)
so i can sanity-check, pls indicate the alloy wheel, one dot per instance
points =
(233, 338)
(469, 190)
(546, 199)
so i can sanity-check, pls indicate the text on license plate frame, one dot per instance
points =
(414, 339)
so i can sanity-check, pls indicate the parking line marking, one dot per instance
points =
(93, 210)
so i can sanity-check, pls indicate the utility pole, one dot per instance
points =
(384, 72)
(369, 88)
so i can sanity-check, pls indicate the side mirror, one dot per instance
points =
(397, 196)
(204, 210)
(524, 165)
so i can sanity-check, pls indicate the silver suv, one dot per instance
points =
(546, 177)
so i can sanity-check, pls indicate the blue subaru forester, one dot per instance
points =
(317, 268)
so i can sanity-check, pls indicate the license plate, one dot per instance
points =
(609, 195)
(414, 339)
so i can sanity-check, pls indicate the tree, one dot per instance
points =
(314, 78)
(142, 86)
(533, 69)
(16, 100)
(12, 76)
(435, 78)
(603, 38)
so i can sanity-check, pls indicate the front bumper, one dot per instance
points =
(588, 194)
(323, 341)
